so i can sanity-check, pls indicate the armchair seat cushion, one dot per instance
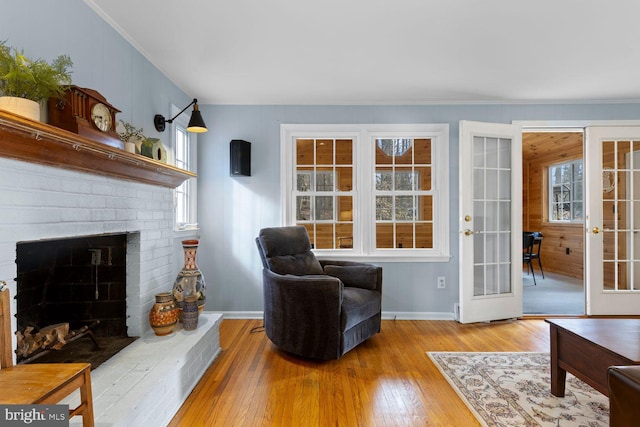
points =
(358, 305)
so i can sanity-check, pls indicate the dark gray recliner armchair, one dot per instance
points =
(316, 308)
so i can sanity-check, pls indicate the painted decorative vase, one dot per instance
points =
(190, 313)
(163, 316)
(190, 281)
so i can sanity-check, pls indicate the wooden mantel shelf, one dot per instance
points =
(36, 142)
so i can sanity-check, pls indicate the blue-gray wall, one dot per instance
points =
(102, 59)
(232, 210)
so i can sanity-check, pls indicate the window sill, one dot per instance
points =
(382, 258)
(563, 224)
(182, 232)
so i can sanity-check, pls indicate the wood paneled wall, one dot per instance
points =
(540, 150)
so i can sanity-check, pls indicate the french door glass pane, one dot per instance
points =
(492, 216)
(621, 215)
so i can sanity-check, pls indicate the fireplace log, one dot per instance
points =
(32, 345)
(52, 336)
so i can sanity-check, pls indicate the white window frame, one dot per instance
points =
(573, 201)
(180, 124)
(364, 136)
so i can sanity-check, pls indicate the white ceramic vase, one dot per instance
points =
(21, 106)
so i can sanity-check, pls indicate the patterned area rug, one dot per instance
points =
(512, 389)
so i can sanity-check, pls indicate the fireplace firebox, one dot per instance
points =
(71, 299)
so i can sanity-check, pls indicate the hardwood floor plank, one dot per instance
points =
(387, 381)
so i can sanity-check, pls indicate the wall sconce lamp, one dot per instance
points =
(196, 124)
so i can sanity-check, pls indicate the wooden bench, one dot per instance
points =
(40, 384)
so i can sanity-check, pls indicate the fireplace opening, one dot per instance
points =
(71, 299)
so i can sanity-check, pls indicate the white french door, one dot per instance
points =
(490, 223)
(612, 221)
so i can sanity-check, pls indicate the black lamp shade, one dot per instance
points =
(196, 124)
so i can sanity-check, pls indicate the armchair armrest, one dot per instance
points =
(355, 274)
(302, 313)
(293, 289)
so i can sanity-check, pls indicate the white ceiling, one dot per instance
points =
(387, 51)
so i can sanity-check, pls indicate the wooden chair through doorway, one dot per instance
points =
(40, 383)
(527, 251)
(535, 252)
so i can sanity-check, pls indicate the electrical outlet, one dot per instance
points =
(441, 282)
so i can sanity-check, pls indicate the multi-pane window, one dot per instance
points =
(403, 193)
(185, 194)
(566, 181)
(324, 184)
(182, 192)
(369, 190)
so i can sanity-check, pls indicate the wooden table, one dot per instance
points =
(587, 347)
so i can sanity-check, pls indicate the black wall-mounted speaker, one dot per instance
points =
(239, 158)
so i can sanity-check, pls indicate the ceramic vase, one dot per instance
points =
(190, 313)
(163, 316)
(190, 281)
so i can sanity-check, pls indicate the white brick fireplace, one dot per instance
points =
(42, 202)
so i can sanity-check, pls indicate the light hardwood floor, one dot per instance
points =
(387, 381)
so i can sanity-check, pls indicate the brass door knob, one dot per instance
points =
(595, 230)
(468, 232)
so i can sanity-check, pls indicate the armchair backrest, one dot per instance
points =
(287, 250)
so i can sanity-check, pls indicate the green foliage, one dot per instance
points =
(130, 132)
(36, 80)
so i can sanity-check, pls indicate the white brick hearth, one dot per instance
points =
(146, 383)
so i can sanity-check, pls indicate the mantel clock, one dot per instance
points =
(86, 112)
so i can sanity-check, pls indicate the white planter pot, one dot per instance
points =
(130, 147)
(21, 106)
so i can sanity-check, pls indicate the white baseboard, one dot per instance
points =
(243, 315)
(414, 315)
(386, 315)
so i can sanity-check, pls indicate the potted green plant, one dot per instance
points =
(130, 135)
(34, 80)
